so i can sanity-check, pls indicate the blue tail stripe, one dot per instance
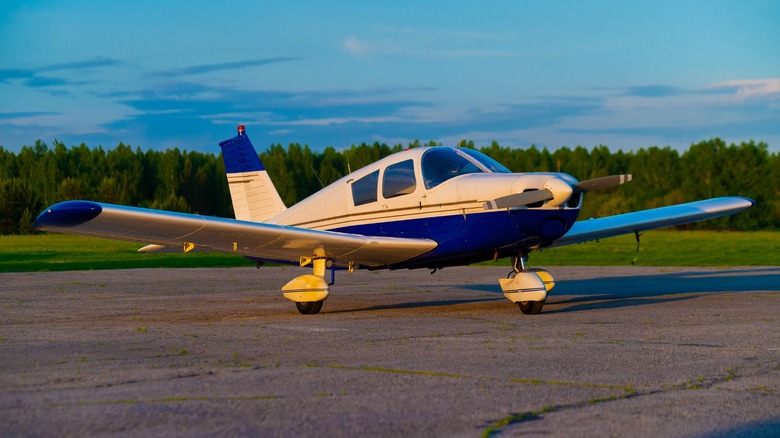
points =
(240, 155)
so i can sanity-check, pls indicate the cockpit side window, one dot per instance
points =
(441, 164)
(399, 179)
(364, 190)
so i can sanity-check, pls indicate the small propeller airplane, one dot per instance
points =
(426, 207)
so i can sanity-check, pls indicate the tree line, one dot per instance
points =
(178, 180)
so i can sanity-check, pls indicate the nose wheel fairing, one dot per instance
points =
(524, 286)
(527, 287)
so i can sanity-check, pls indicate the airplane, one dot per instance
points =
(425, 207)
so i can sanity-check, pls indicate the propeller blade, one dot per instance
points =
(605, 182)
(519, 199)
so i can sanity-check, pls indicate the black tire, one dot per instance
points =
(530, 307)
(309, 308)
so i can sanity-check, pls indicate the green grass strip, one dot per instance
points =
(61, 252)
(58, 252)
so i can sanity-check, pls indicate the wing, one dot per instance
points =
(656, 218)
(191, 231)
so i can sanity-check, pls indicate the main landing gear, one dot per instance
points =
(527, 287)
(309, 291)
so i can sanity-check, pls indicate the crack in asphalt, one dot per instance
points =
(500, 426)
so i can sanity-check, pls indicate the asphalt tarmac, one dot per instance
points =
(617, 351)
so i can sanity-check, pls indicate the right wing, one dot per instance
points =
(192, 232)
(637, 221)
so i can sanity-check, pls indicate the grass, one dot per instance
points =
(669, 248)
(58, 252)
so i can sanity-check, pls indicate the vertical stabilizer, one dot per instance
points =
(254, 196)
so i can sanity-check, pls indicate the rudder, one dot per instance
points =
(253, 193)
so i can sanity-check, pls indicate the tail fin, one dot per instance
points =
(254, 196)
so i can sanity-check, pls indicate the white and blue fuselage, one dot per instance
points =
(435, 193)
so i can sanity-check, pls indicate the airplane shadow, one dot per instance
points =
(420, 304)
(618, 291)
(625, 291)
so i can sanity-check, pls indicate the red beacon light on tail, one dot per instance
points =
(241, 130)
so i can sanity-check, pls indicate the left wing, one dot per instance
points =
(637, 221)
(192, 231)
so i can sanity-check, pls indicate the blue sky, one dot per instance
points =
(159, 74)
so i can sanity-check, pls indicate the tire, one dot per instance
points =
(530, 307)
(309, 308)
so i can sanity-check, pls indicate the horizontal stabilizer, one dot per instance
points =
(154, 248)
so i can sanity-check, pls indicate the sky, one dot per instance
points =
(164, 74)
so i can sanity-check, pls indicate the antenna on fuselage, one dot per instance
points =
(346, 155)
(346, 152)
(311, 166)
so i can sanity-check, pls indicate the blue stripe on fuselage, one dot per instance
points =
(461, 236)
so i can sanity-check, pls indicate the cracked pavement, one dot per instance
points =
(640, 351)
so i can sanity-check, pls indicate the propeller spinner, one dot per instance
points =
(556, 192)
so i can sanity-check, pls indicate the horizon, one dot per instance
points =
(419, 143)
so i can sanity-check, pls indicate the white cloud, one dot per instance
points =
(752, 87)
(336, 121)
(356, 46)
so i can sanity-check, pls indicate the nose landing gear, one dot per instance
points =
(527, 287)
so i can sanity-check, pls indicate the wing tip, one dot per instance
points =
(738, 203)
(750, 201)
(67, 214)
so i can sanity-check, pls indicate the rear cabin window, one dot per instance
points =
(441, 164)
(364, 190)
(399, 179)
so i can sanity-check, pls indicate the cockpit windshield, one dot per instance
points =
(443, 163)
(491, 164)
